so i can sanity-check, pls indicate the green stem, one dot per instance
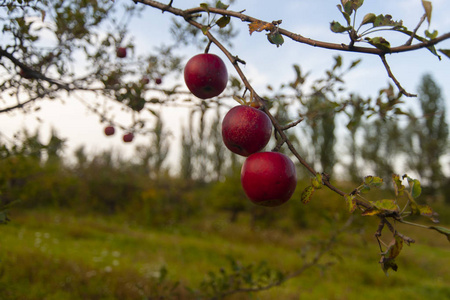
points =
(413, 224)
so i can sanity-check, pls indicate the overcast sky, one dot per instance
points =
(265, 62)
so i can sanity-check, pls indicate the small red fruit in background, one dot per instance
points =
(158, 81)
(268, 178)
(109, 130)
(121, 52)
(128, 137)
(246, 130)
(145, 80)
(25, 74)
(206, 75)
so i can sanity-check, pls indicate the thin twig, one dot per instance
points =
(411, 38)
(391, 75)
(293, 124)
(407, 239)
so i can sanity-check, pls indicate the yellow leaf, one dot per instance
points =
(386, 205)
(260, 26)
(307, 194)
(428, 8)
(370, 212)
(351, 202)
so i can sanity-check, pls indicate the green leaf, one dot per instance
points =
(351, 202)
(368, 18)
(338, 62)
(431, 35)
(307, 194)
(398, 186)
(428, 9)
(388, 257)
(371, 212)
(432, 49)
(220, 5)
(345, 14)
(351, 5)
(348, 6)
(394, 247)
(357, 4)
(354, 64)
(386, 20)
(368, 179)
(275, 38)
(377, 182)
(442, 230)
(4, 217)
(386, 204)
(416, 189)
(427, 211)
(205, 6)
(413, 205)
(388, 263)
(338, 28)
(223, 21)
(380, 43)
(446, 52)
(316, 182)
(205, 29)
(364, 189)
(373, 181)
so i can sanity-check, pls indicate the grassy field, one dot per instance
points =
(57, 254)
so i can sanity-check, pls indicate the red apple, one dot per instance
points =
(268, 178)
(206, 75)
(109, 130)
(246, 130)
(128, 137)
(158, 81)
(121, 52)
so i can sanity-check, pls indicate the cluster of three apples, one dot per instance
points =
(268, 178)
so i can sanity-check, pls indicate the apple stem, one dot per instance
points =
(208, 46)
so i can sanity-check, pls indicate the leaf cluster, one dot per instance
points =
(399, 208)
(373, 23)
(240, 278)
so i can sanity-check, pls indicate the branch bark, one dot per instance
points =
(294, 36)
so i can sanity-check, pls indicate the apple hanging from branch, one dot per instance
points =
(268, 178)
(206, 75)
(246, 130)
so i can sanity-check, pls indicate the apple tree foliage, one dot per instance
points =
(56, 49)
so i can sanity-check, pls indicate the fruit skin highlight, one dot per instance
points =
(268, 178)
(246, 130)
(206, 75)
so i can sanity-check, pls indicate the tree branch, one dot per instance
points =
(411, 38)
(391, 75)
(280, 129)
(294, 36)
(33, 73)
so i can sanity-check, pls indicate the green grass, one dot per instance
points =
(57, 254)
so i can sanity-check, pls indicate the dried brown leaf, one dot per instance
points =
(260, 26)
